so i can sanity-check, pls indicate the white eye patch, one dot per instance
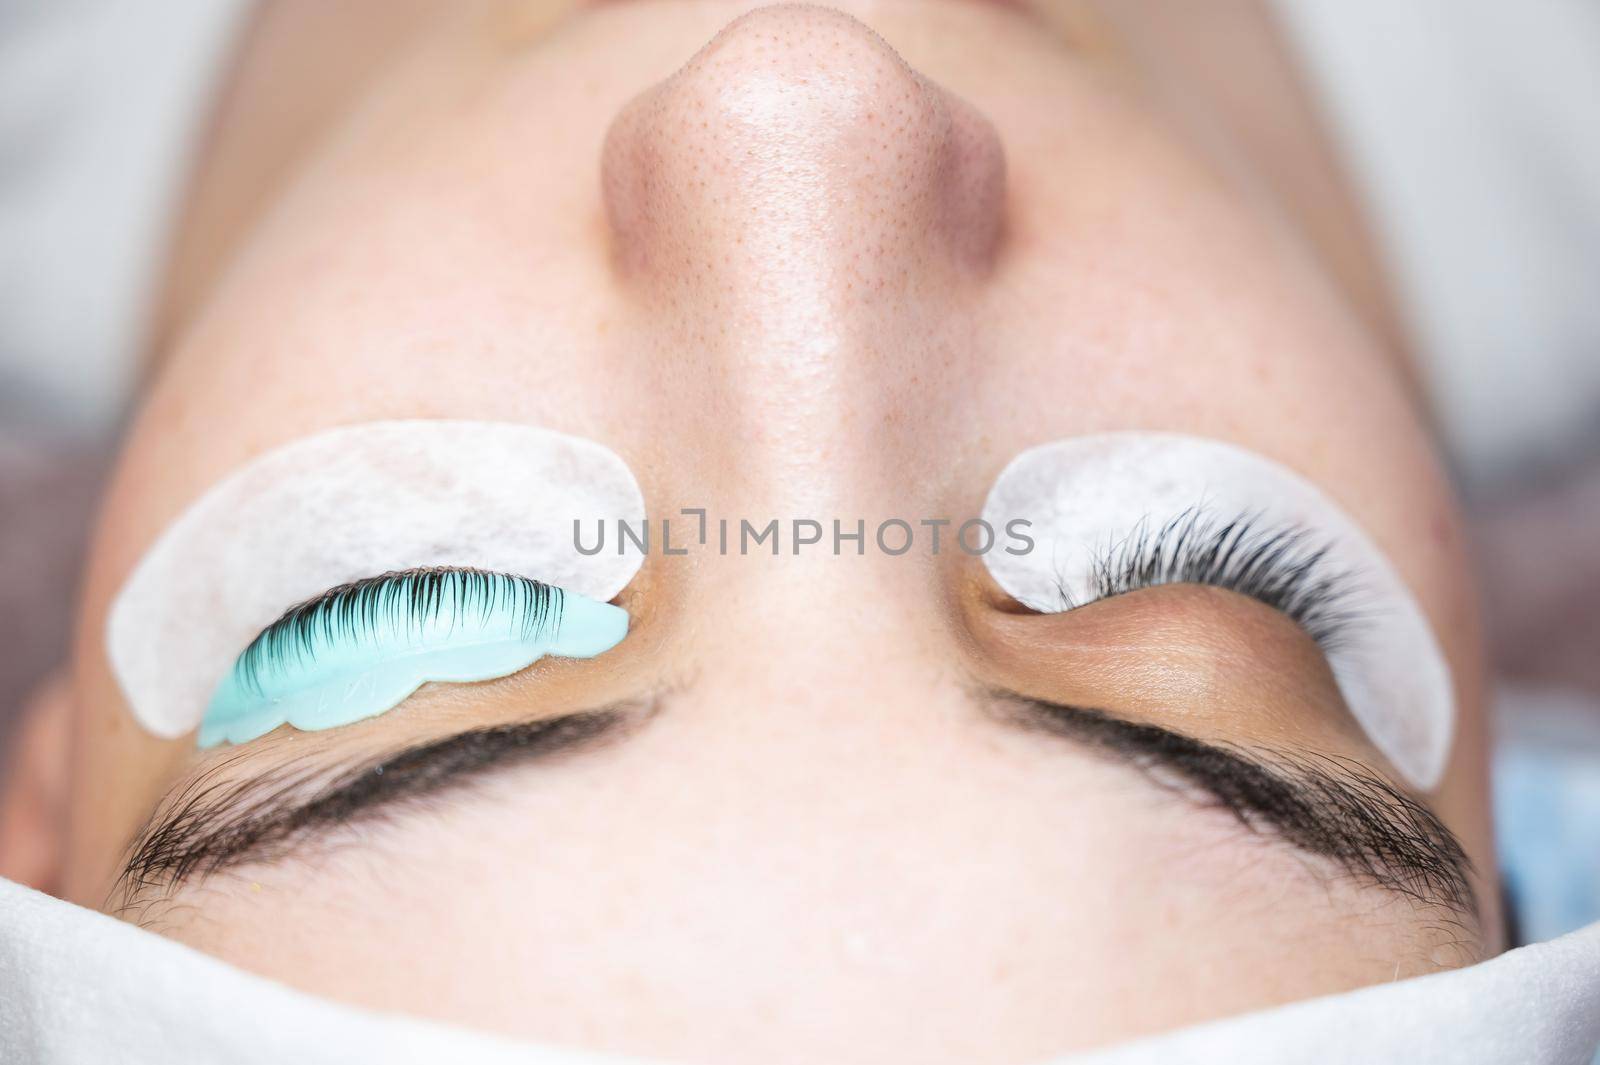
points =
(348, 504)
(1117, 511)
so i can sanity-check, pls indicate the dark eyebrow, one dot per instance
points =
(216, 822)
(1327, 806)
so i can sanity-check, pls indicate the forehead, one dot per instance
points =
(830, 870)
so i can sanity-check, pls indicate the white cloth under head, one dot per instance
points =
(77, 986)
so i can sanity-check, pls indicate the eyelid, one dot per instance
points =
(1280, 566)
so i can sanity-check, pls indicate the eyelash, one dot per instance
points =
(354, 611)
(1280, 566)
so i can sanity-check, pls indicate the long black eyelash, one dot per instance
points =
(401, 597)
(1282, 567)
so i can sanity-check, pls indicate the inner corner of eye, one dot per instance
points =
(1007, 604)
(979, 588)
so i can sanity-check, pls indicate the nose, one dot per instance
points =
(796, 208)
(798, 146)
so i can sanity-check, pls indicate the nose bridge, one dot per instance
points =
(794, 202)
(798, 146)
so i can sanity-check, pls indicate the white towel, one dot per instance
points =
(78, 987)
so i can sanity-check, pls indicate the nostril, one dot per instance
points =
(798, 126)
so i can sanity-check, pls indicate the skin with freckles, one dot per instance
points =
(789, 263)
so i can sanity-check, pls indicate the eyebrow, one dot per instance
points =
(1318, 804)
(216, 822)
(1333, 807)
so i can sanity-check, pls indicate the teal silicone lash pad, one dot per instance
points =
(359, 650)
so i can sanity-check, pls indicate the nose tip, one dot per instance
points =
(799, 133)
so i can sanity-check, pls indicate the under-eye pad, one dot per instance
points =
(348, 505)
(1116, 512)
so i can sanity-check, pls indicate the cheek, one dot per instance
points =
(1146, 292)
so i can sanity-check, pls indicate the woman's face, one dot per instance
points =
(810, 272)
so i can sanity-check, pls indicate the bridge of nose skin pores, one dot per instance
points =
(801, 220)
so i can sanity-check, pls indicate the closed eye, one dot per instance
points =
(1281, 566)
